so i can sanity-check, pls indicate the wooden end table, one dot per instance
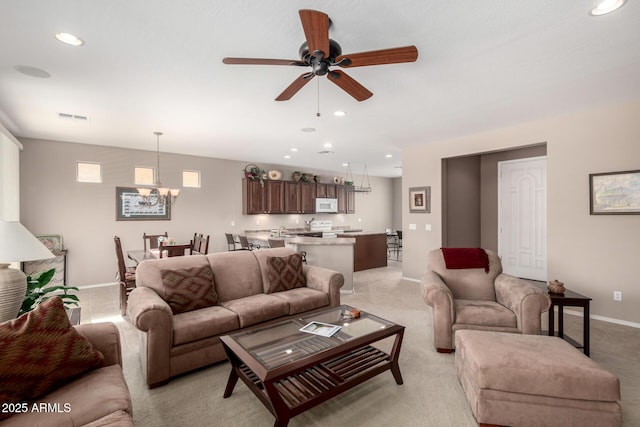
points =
(569, 299)
(292, 371)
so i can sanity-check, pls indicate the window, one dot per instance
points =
(191, 179)
(144, 176)
(89, 172)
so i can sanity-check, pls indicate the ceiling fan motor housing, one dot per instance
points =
(320, 64)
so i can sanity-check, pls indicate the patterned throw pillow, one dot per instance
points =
(284, 273)
(189, 289)
(40, 351)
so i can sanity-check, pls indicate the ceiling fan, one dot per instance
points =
(320, 53)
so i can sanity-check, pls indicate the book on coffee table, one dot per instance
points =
(320, 328)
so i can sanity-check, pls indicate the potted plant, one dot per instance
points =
(253, 172)
(38, 290)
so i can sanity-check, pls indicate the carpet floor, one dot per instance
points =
(430, 395)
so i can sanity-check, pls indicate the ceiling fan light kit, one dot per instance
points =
(321, 53)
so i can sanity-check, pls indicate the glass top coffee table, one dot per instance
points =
(291, 371)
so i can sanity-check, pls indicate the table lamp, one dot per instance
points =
(16, 244)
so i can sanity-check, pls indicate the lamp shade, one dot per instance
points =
(18, 244)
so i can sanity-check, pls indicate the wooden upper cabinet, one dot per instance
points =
(331, 191)
(321, 190)
(274, 196)
(253, 197)
(291, 197)
(307, 197)
(346, 199)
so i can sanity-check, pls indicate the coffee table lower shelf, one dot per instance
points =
(287, 397)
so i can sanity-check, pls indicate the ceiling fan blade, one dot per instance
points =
(316, 30)
(294, 87)
(378, 57)
(349, 85)
(263, 61)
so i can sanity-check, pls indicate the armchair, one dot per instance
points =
(479, 298)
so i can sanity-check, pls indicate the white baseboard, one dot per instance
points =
(604, 319)
(410, 279)
(98, 285)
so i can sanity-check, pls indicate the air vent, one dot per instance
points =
(325, 152)
(75, 117)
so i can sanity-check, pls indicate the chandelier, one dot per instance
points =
(157, 195)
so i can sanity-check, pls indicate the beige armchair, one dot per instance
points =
(472, 298)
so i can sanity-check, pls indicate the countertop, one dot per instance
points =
(301, 240)
(361, 233)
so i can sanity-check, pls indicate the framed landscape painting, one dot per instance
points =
(420, 199)
(130, 207)
(614, 193)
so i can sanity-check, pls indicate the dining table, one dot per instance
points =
(139, 255)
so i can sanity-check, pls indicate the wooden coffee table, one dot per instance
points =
(292, 371)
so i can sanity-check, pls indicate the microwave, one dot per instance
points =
(326, 205)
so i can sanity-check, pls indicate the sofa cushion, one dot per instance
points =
(237, 274)
(148, 272)
(188, 289)
(94, 396)
(483, 313)
(262, 256)
(285, 273)
(257, 308)
(303, 299)
(203, 323)
(42, 351)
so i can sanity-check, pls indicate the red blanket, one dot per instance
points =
(459, 258)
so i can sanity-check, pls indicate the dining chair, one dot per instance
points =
(152, 240)
(200, 244)
(276, 243)
(168, 251)
(231, 242)
(126, 277)
(244, 244)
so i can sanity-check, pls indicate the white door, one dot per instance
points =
(522, 217)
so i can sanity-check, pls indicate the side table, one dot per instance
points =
(569, 299)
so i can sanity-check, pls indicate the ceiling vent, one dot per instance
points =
(74, 117)
(325, 152)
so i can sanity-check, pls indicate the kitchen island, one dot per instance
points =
(370, 250)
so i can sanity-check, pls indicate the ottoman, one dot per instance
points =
(534, 380)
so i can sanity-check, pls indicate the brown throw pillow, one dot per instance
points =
(189, 289)
(284, 273)
(40, 351)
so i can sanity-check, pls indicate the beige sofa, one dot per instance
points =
(99, 397)
(472, 298)
(172, 344)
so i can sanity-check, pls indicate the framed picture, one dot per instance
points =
(53, 242)
(130, 207)
(614, 193)
(420, 199)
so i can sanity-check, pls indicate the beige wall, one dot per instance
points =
(593, 255)
(52, 202)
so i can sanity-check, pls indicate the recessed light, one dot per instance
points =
(69, 38)
(308, 129)
(327, 145)
(32, 71)
(294, 149)
(607, 6)
(339, 113)
(388, 156)
(286, 156)
(345, 164)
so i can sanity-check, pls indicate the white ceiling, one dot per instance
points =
(156, 65)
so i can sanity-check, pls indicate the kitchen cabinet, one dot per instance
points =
(326, 191)
(274, 196)
(346, 199)
(253, 197)
(299, 197)
(307, 197)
